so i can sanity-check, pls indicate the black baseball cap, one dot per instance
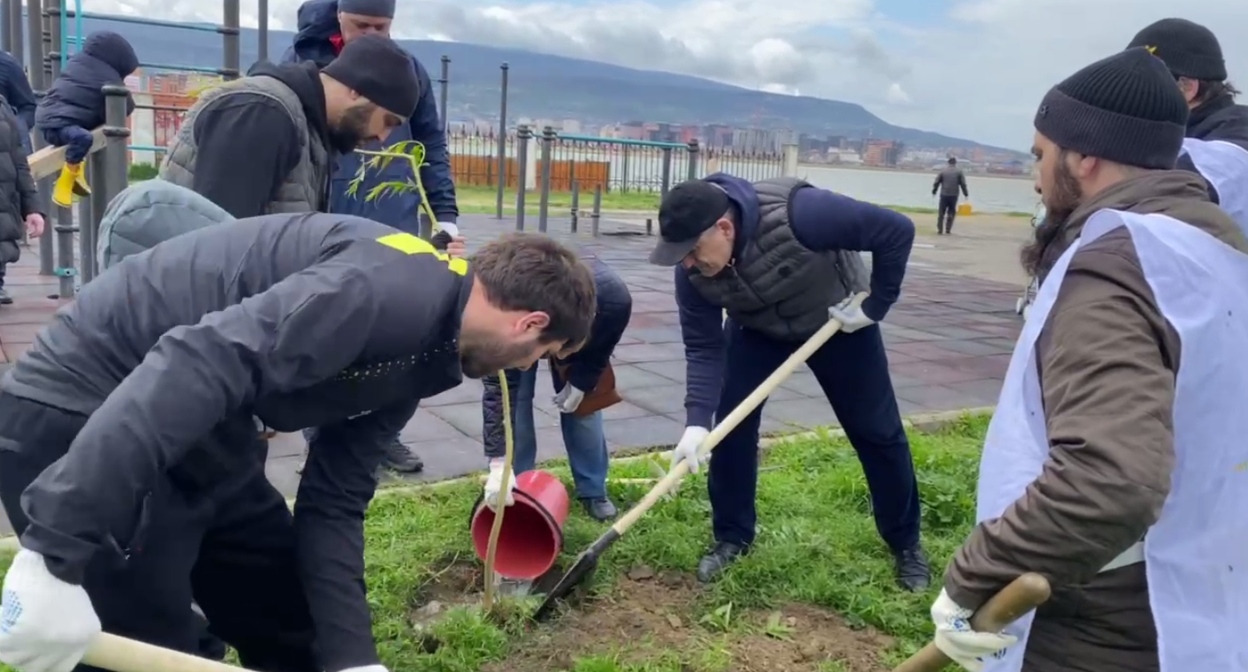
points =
(687, 211)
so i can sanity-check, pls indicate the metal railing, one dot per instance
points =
(50, 23)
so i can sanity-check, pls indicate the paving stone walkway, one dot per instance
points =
(949, 341)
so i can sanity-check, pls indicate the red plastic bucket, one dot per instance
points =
(532, 533)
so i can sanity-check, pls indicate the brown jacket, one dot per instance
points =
(1107, 361)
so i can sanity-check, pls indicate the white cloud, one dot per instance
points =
(897, 95)
(978, 74)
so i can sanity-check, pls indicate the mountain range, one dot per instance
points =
(556, 87)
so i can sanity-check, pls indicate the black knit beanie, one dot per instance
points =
(1188, 49)
(1125, 108)
(378, 69)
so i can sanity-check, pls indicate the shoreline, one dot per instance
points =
(913, 171)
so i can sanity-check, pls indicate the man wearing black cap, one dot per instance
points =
(1119, 417)
(266, 143)
(1217, 128)
(781, 257)
(325, 27)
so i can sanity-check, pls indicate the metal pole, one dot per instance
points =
(693, 159)
(576, 203)
(16, 39)
(445, 83)
(230, 46)
(6, 39)
(597, 213)
(86, 234)
(263, 46)
(523, 135)
(64, 226)
(113, 158)
(40, 41)
(502, 147)
(543, 212)
(666, 182)
(99, 203)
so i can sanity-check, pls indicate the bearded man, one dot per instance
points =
(1114, 464)
(266, 143)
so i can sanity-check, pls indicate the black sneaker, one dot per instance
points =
(400, 458)
(912, 569)
(600, 509)
(721, 555)
(5, 299)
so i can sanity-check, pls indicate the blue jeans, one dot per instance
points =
(583, 438)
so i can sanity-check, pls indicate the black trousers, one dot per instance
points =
(945, 212)
(231, 551)
(852, 369)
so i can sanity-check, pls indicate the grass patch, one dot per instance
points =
(815, 595)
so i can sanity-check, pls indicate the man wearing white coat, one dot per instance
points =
(1115, 465)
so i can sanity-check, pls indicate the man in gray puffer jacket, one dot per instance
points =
(19, 199)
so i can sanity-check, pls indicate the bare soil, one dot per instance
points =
(647, 615)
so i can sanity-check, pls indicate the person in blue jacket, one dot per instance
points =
(583, 435)
(782, 257)
(74, 105)
(324, 27)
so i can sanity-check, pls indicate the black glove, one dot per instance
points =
(441, 240)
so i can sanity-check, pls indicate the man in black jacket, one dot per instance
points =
(19, 198)
(133, 461)
(1217, 128)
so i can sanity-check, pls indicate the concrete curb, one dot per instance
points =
(924, 422)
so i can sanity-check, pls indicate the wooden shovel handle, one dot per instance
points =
(1022, 595)
(729, 423)
(118, 654)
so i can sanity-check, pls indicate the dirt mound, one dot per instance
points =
(648, 616)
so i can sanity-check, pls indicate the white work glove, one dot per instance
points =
(367, 668)
(453, 231)
(851, 317)
(46, 624)
(957, 640)
(494, 486)
(569, 398)
(687, 449)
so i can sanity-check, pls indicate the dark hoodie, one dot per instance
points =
(821, 220)
(319, 40)
(76, 97)
(255, 143)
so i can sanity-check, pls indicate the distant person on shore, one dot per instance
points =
(783, 257)
(1217, 128)
(1114, 464)
(325, 27)
(19, 199)
(15, 88)
(74, 106)
(948, 181)
(265, 143)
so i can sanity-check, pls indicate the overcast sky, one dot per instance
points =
(968, 68)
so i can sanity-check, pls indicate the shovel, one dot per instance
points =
(118, 654)
(588, 559)
(1022, 595)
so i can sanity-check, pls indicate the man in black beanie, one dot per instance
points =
(1082, 454)
(267, 142)
(1194, 56)
(325, 28)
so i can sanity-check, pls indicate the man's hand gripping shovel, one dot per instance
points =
(588, 559)
(1021, 596)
